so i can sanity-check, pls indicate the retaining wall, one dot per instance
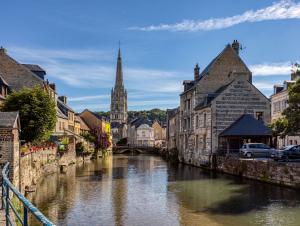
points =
(281, 173)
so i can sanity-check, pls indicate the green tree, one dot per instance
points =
(292, 112)
(37, 113)
(279, 126)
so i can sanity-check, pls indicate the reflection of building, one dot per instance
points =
(140, 133)
(279, 102)
(172, 133)
(213, 101)
(118, 108)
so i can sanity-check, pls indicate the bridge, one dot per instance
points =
(135, 149)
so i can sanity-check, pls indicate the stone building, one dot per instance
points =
(118, 107)
(279, 102)
(215, 99)
(172, 132)
(159, 134)
(9, 143)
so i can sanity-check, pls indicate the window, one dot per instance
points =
(259, 115)
(204, 120)
(143, 133)
(186, 141)
(204, 141)
(197, 119)
(197, 141)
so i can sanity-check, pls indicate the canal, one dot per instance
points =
(144, 190)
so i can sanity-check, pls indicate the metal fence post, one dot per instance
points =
(25, 219)
(7, 205)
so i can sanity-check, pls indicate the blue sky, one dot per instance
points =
(76, 42)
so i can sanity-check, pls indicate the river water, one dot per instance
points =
(144, 190)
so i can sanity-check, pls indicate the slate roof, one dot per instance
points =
(34, 67)
(139, 121)
(16, 74)
(115, 125)
(63, 107)
(60, 114)
(247, 125)
(8, 119)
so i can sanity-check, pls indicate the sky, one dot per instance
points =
(76, 42)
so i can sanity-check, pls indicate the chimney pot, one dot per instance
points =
(3, 50)
(196, 73)
(236, 46)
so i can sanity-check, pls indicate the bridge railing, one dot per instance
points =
(8, 190)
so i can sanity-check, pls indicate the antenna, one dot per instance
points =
(242, 48)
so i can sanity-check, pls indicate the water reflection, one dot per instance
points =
(145, 190)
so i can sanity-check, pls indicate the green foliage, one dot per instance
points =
(279, 127)
(152, 115)
(65, 141)
(37, 113)
(89, 137)
(80, 150)
(292, 113)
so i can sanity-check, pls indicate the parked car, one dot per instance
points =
(251, 150)
(287, 153)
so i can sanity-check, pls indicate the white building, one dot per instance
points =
(145, 135)
(140, 133)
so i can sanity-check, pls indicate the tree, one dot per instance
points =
(37, 113)
(292, 112)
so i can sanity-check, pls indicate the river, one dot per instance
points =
(142, 190)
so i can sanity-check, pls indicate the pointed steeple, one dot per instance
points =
(119, 72)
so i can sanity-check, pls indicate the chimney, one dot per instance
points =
(196, 73)
(52, 86)
(63, 99)
(236, 46)
(2, 50)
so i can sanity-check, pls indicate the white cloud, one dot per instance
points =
(285, 9)
(85, 98)
(263, 85)
(267, 69)
(85, 69)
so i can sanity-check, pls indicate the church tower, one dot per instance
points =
(118, 107)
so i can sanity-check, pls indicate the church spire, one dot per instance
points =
(119, 72)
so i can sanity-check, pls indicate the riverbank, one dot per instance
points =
(269, 171)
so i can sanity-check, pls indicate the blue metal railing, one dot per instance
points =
(7, 186)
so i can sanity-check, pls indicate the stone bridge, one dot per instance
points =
(135, 149)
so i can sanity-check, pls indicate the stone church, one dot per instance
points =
(118, 107)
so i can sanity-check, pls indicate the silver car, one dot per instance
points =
(251, 150)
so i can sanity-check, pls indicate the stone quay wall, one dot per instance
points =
(37, 164)
(34, 165)
(281, 173)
